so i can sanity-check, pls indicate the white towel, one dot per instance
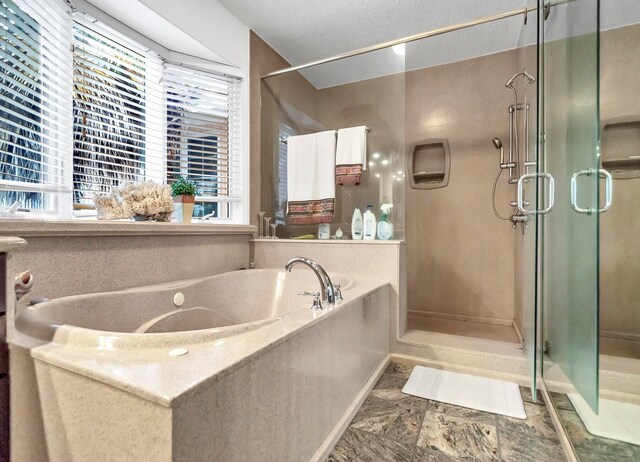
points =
(311, 188)
(351, 155)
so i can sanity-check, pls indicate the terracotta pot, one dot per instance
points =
(183, 207)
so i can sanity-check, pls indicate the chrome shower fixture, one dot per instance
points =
(497, 142)
(524, 73)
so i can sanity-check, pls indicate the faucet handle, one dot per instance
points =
(336, 288)
(317, 303)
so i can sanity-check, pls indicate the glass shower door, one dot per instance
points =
(569, 233)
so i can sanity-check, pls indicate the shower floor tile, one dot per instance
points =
(463, 328)
(392, 426)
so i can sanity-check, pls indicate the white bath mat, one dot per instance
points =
(615, 420)
(482, 394)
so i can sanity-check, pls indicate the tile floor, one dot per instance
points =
(465, 328)
(391, 426)
(588, 447)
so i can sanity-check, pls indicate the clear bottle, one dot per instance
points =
(369, 230)
(356, 225)
(385, 228)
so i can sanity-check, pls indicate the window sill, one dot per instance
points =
(48, 228)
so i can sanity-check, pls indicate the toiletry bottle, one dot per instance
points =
(369, 220)
(385, 228)
(356, 224)
(324, 231)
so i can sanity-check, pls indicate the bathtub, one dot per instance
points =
(234, 366)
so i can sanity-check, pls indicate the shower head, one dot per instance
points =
(497, 143)
(530, 79)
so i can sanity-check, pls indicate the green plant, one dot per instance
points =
(184, 187)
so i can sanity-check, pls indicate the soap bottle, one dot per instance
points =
(356, 224)
(385, 228)
(369, 224)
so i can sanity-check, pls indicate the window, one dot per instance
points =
(35, 103)
(203, 113)
(285, 132)
(116, 85)
(85, 108)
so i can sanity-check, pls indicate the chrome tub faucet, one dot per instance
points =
(326, 287)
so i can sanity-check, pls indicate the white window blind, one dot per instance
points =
(285, 132)
(35, 109)
(118, 112)
(203, 135)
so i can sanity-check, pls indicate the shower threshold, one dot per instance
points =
(464, 328)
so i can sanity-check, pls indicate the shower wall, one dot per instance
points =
(460, 256)
(620, 226)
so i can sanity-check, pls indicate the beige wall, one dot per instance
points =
(460, 256)
(272, 101)
(620, 226)
(75, 265)
(379, 104)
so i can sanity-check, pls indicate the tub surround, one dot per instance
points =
(374, 260)
(145, 403)
(135, 362)
(70, 258)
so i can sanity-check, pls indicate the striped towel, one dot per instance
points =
(351, 155)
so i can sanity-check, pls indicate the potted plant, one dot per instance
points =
(184, 193)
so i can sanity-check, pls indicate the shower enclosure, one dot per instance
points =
(536, 286)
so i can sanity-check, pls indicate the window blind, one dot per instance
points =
(35, 95)
(118, 112)
(203, 132)
(285, 132)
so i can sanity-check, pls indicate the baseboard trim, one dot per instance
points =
(620, 335)
(323, 451)
(461, 317)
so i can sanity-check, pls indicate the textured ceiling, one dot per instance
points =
(305, 30)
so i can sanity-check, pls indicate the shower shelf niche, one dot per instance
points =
(428, 163)
(620, 147)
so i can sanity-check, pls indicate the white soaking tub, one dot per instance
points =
(228, 367)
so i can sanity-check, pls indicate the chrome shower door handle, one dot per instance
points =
(608, 190)
(552, 193)
(520, 199)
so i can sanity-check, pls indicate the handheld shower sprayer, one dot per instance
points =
(497, 142)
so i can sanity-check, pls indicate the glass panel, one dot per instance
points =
(525, 118)
(569, 56)
(366, 90)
